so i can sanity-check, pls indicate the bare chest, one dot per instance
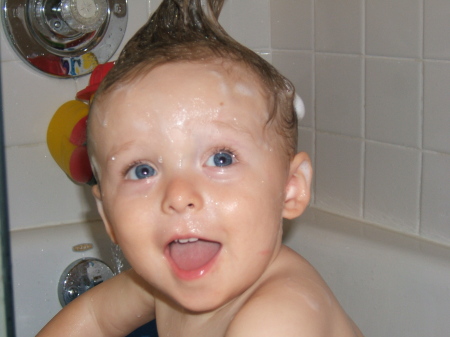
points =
(183, 328)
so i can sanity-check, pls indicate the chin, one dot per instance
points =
(198, 306)
(202, 300)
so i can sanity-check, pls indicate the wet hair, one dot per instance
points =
(189, 31)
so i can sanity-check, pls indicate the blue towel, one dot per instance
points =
(148, 330)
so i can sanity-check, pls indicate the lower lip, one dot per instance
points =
(189, 275)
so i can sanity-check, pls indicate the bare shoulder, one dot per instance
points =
(293, 301)
(103, 314)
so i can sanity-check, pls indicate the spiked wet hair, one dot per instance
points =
(188, 30)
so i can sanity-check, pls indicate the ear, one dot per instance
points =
(99, 201)
(298, 187)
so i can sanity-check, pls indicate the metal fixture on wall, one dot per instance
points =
(65, 38)
(80, 276)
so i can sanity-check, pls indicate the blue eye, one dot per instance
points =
(141, 171)
(221, 159)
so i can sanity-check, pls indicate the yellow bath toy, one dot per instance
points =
(66, 133)
(66, 140)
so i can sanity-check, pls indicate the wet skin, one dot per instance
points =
(184, 153)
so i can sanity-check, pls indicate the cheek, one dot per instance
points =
(252, 211)
(269, 199)
(258, 195)
(223, 204)
(129, 215)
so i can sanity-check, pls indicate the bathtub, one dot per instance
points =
(390, 284)
(39, 257)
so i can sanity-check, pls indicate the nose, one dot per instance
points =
(182, 195)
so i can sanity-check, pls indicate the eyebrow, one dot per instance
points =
(115, 152)
(234, 127)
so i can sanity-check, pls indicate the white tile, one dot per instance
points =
(394, 101)
(306, 141)
(29, 101)
(435, 210)
(82, 82)
(394, 28)
(339, 169)
(248, 21)
(436, 28)
(436, 133)
(266, 54)
(339, 26)
(339, 94)
(39, 192)
(292, 24)
(226, 15)
(298, 68)
(138, 14)
(392, 184)
(154, 4)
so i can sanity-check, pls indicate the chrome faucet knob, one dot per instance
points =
(84, 16)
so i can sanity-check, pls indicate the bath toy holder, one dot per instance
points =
(80, 276)
(65, 38)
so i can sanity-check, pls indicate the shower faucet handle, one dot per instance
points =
(84, 16)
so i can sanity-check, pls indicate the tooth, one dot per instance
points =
(186, 240)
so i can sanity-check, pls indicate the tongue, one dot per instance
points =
(193, 255)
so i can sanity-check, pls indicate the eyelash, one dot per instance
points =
(127, 169)
(225, 150)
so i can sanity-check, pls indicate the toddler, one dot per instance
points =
(192, 140)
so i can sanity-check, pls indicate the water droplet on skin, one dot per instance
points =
(117, 257)
(113, 158)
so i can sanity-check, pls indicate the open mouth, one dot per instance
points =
(193, 254)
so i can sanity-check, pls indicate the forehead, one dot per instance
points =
(185, 91)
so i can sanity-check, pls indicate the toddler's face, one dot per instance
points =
(192, 186)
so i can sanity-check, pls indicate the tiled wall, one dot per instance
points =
(375, 77)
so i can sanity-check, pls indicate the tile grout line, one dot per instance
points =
(422, 129)
(363, 117)
(313, 100)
